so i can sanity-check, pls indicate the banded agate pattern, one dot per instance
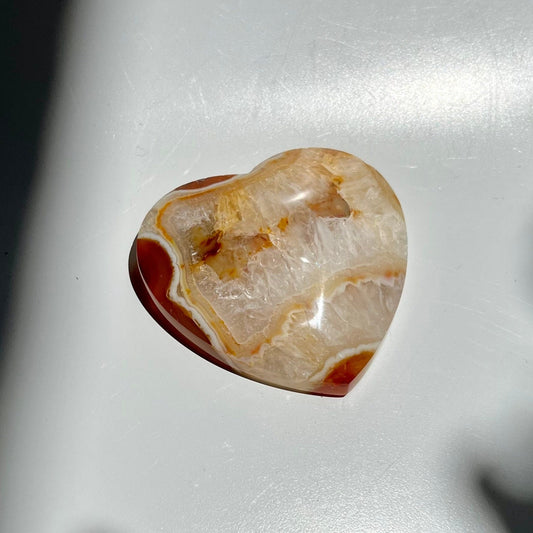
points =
(289, 275)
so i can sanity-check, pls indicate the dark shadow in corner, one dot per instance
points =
(29, 38)
(516, 514)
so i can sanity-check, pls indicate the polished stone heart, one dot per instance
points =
(289, 275)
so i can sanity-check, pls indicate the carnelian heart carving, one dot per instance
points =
(289, 275)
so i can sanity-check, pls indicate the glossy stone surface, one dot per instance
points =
(289, 275)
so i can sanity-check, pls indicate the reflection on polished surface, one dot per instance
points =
(107, 424)
(236, 246)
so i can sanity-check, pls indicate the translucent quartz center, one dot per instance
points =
(290, 274)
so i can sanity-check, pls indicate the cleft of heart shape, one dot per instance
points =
(289, 275)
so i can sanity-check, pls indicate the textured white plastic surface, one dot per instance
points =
(110, 426)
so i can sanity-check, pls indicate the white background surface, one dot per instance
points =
(111, 426)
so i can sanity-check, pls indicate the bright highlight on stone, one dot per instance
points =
(289, 275)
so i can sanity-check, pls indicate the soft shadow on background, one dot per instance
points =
(516, 514)
(514, 511)
(29, 37)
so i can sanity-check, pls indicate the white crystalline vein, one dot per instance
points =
(331, 246)
(311, 251)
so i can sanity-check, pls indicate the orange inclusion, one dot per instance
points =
(346, 371)
(210, 245)
(282, 224)
(392, 274)
(206, 182)
(160, 226)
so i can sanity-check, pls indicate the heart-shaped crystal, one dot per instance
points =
(289, 275)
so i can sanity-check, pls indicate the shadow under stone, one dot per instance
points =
(515, 513)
